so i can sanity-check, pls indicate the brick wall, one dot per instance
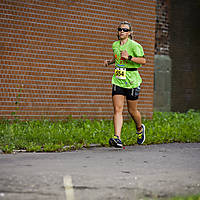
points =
(52, 54)
(162, 28)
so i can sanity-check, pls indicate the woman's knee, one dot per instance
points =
(118, 109)
(133, 111)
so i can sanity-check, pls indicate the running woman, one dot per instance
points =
(128, 56)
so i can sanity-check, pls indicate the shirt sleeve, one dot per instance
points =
(138, 51)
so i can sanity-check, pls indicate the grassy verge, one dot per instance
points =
(44, 135)
(193, 197)
(188, 197)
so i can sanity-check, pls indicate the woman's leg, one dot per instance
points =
(118, 104)
(135, 114)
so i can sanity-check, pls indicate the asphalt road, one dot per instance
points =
(136, 173)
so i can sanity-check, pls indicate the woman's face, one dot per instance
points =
(123, 31)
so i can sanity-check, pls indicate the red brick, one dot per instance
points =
(56, 51)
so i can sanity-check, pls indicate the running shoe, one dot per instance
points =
(115, 142)
(141, 135)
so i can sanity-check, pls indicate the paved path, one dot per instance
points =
(138, 172)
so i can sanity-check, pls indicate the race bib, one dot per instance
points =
(120, 73)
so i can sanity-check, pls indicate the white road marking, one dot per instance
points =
(69, 191)
(2, 194)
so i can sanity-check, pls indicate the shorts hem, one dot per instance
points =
(130, 94)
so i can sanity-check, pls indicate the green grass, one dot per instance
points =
(48, 136)
(188, 197)
(193, 197)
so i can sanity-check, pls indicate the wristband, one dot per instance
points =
(130, 57)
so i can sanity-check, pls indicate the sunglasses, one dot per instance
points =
(123, 29)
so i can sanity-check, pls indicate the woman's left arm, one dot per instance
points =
(139, 60)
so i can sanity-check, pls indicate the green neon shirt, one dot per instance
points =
(134, 49)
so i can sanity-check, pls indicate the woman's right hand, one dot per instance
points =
(106, 63)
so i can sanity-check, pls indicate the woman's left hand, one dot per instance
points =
(124, 54)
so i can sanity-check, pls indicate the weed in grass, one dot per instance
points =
(17, 103)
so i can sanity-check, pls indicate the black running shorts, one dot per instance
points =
(130, 94)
